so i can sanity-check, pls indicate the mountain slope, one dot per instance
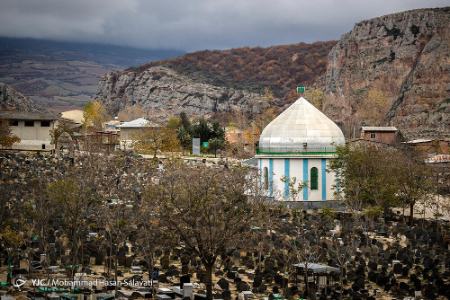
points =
(393, 70)
(278, 68)
(10, 99)
(249, 79)
(60, 75)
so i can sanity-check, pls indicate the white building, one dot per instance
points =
(298, 146)
(33, 129)
(129, 131)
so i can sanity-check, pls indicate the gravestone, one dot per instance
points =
(223, 283)
(242, 286)
(226, 295)
(397, 267)
(184, 279)
(257, 281)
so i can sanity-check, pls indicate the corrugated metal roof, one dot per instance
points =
(379, 128)
(318, 268)
(138, 123)
(300, 127)
(418, 141)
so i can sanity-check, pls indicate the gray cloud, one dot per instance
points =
(193, 24)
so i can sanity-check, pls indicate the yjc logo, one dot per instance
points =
(18, 283)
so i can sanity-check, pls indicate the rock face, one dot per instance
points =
(164, 92)
(391, 70)
(10, 99)
(400, 62)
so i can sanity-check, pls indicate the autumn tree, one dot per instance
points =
(7, 139)
(152, 140)
(94, 114)
(209, 210)
(11, 240)
(263, 119)
(374, 107)
(315, 96)
(173, 123)
(76, 201)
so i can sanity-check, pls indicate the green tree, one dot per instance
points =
(216, 144)
(201, 130)
(184, 137)
(366, 176)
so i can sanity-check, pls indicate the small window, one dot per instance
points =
(43, 146)
(29, 123)
(372, 135)
(314, 179)
(45, 123)
(266, 178)
(13, 123)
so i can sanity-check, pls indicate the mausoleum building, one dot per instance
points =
(294, 150)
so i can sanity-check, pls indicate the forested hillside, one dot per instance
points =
(278, 68)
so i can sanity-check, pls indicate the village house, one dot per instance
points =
(430, 146)
(246, 139)
(385, 135)
(129, 131)
(33, 129)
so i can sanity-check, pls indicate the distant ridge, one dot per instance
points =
(100, 53)
(63, 75)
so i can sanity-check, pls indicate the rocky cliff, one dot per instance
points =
(394, 70)
(164, 92)
(10, 99)
(391, 70)
(217, 81)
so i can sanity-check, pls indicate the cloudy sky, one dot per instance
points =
(193, 24)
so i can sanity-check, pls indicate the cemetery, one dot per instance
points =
(277, 253)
